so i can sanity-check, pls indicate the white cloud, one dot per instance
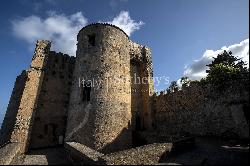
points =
(60, 29)
(124, 21)
(197, 69)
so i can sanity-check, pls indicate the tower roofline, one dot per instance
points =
(104, 24)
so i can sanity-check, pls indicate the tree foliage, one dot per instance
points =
(225, 68)
(185, 82)
(173, 87)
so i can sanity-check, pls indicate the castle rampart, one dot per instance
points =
(202, 110)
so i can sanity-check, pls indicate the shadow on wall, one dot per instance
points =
(120, 142)
(126, 136)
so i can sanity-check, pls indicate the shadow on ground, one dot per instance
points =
(48, 156)
(211, 151)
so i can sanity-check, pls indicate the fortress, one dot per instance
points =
(51, 101)
(93, 99)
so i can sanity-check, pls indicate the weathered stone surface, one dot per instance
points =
(40, 102)
(82, 154)
(12, 110)
(105, 57)
(107, 127)
(51, 100)
(52, 108)
(143, 155)
(142, 85)
(28, 103)
(8, 152)
(202, 111)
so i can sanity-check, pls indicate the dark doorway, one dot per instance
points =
(137, 123)
(86, 89)
(91, 39)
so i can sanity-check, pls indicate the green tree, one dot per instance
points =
(225, 68)
(185, 82)
(173, 87)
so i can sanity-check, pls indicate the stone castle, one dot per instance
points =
(92, 99)
(49, 102)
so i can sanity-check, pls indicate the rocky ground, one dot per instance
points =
(207, 151)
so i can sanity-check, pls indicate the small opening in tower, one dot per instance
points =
(86, 89)
(46, 129)
(91, 39)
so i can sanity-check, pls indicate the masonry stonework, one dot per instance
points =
(200, 110)
(55, 100)
(104, 98)
(28, 103)
(142, 86)
(12, 110)
(107, 103)
(51, 115)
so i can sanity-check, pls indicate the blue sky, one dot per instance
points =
(184, 35)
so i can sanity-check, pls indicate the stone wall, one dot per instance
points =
(150, 154)
(10, 115)
(101, 115)
(144, 155)
(9, 152)
(51, 112)
(100, 109)
(142, 86)
(202, 111)
(37, 111)
(28, 102)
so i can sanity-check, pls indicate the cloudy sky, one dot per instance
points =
(184, 35)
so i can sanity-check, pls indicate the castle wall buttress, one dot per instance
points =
(28, 103)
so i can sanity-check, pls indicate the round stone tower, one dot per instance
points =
(100, 101)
